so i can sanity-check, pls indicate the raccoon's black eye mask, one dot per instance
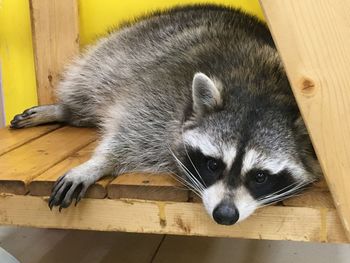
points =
(261, 183)
(205, 168)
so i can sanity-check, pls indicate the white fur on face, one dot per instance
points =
(204, 143)
(244, 202)
(256, 160)
(201, 141)
(241, 198)
(212, 196)
(229, 155)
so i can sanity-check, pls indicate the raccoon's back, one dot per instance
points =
(153, 59)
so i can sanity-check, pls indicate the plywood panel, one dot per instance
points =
(20, 166)
(56, 41)
(313, 38)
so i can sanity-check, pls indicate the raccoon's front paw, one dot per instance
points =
(25, 119)
(68, 187)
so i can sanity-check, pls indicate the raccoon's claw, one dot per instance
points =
(65, 189)
(24, 119)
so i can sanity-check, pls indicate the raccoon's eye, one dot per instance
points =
(260, 177)
(212, 165)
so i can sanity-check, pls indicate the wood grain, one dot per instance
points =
(56, 41)
(42, 185)
(19, 166)
(11, 139)
(275, 223)
(161, 187)
(313, 39)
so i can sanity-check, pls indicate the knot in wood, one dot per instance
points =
(307, 86)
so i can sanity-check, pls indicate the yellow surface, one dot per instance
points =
(96, 17)
(16, 57)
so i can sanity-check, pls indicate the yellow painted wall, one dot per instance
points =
(16, 57)
(96, 17)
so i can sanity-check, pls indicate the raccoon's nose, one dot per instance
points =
(225, 214)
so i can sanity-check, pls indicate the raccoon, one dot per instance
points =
(196, 91)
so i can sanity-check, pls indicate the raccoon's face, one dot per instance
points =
(242, 154)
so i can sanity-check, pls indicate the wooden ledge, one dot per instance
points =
(178, 218)
(144, 203)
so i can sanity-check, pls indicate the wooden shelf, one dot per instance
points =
(144, 203)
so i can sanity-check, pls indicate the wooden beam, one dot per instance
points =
(275, 222)
(56, 41)
(313, 39)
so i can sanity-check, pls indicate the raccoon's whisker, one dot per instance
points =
(184, 182)
(279, 200)
(293, 186)
(178, 179)
(190, 159)
(274, 196)
(193, 179)
(261, 205)
(188, 172)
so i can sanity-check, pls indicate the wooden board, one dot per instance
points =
(19, 166)
(56, 41)
(276, 223)
(11, 139)
(317, 195)
(313, 39)
(161, 187)
(42, 185)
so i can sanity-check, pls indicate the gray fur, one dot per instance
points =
(135, 84)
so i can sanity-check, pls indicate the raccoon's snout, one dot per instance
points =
(225, 214)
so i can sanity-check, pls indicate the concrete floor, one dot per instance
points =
(31, 245)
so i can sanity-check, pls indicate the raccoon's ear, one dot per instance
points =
(206, 95)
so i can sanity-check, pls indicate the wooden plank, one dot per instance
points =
(275, 223)
(55, 39)
(42, 185)
(317, 195)
(311, 198)
(11, 139)
(161, 187)
(313, 39)
(19, 166)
